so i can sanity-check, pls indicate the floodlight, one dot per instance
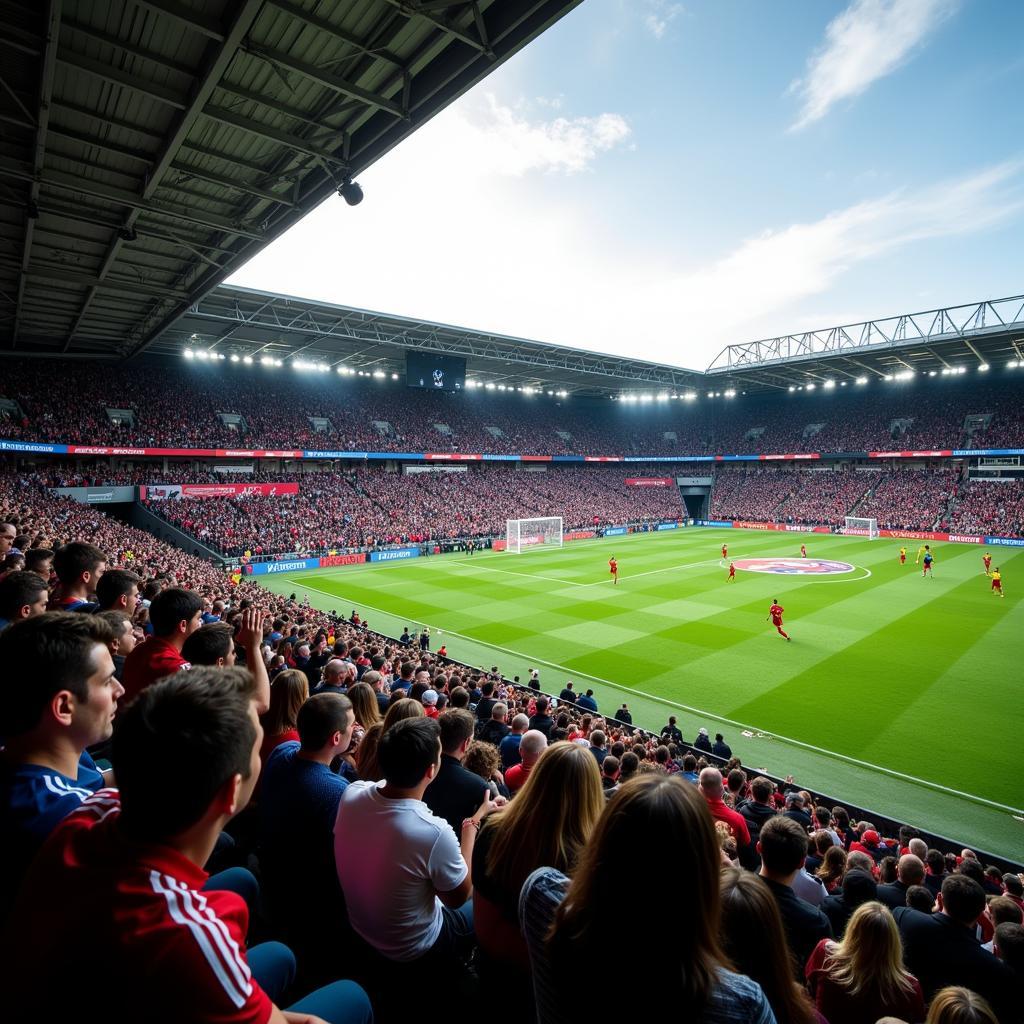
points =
(351, 192)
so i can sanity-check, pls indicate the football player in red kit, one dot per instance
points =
(613, 568)
(732, 573)
(987, 561)
(775, 614)
(725, 550)
(803, 550)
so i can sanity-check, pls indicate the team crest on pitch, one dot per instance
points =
(794, 566)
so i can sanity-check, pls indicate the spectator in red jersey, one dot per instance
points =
(60, 696)
(132, 860)
(175, 614)
(862, 977)
(531, 746)
(79, 567)
(713, 790)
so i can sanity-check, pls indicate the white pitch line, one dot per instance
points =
(572, 583)
(650, 572)
(510, 572)
(699, 711)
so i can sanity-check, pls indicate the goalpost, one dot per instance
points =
(525, 534)
(862, 527)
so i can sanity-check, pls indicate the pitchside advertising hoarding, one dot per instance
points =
(394, 555)
(298, 564)
(649, 481)
(165, 492)
(310, 453)
(928, 535)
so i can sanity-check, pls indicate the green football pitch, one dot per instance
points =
(897, 693)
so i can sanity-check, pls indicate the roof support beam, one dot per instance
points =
(38, 154)
(244, 14)
(327, 80)
(275, 135)
(323, 25)
(115, 76)
(189, 17)
(238, 184)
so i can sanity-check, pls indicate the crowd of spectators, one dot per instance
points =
(989, 507)
(177, 406)
(912, 499)
(376, 811)
(375, 507)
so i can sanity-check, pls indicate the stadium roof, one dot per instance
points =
(242, 322)
(150, 147)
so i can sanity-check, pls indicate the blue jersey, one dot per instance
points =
(927, 559)
(33, 801)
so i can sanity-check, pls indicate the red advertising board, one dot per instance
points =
(934, 454)
(806, 455)
(602, 458)
(173, 491)
(742, 524)
(451, 457)
(649, 481)
(327, 561)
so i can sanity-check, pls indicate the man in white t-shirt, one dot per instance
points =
(402, 869)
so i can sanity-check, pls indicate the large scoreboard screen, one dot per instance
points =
(436, 372)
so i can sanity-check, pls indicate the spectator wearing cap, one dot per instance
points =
(703, 742)
(795, 810)
(783, 847)
(720, 748)
(857, 887)
(22, 595)
(941, 948)
(455, 792)
(870, 842)
(429, 701)
(533, 744)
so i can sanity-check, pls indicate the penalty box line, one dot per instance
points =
(846, 758)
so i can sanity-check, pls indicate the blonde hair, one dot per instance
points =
(364, 703)
(551, 818)
(955, 1005)
(870, 956)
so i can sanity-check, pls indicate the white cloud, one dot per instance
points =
(866, 42)
(470, 222)
(660, 14)
(503, 140)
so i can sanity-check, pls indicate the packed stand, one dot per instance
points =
(911, 499)
(374, 507)
(176, 406)
(989, 508)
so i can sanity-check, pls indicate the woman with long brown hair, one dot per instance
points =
(366, 753)
(289, 690)
(755, 942)
(832, 869)
(654, 852)
(862, 977)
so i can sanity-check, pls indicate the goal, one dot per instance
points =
(525, 534)
(862, 527)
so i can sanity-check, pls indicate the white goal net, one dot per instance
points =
(526, 534)
(860, 527)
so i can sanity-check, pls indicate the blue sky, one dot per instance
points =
(661, 179)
